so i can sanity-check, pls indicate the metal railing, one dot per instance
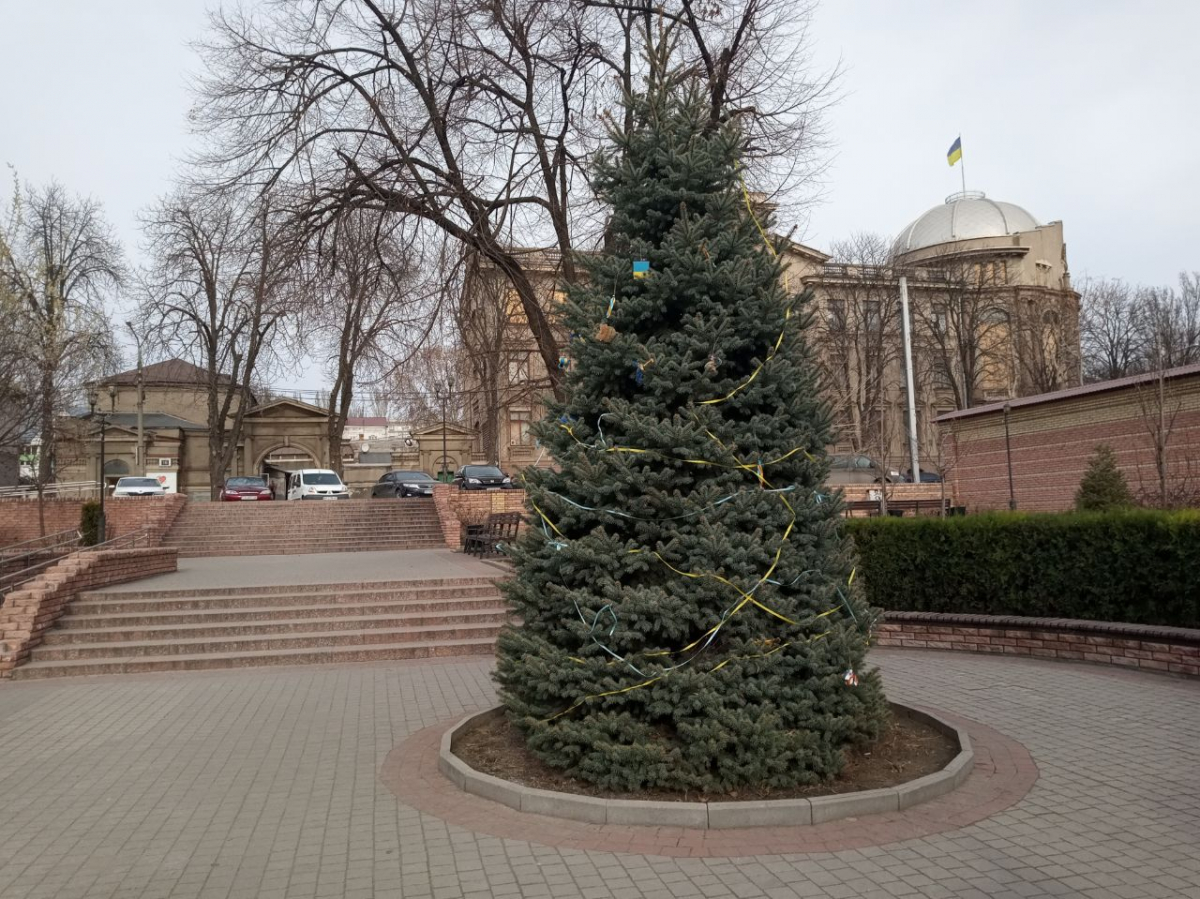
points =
(17, 579)
(47, 541)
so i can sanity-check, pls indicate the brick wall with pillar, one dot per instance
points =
(459, 508)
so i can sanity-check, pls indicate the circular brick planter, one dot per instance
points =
(707, 815)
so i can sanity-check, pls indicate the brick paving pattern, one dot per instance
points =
(265, 783)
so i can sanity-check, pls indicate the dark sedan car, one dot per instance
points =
(246, 488)
(399, 484)
(927, 476)
(482, 477)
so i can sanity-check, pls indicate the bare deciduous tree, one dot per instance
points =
(59, 263)
(858, 333)
(219, 290)
(374, 306)
(1111, 329)
(1129, 329)
(962, 324)
(476, 115)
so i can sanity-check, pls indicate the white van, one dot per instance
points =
(316, 483)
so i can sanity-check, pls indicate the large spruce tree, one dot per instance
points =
(688, 614)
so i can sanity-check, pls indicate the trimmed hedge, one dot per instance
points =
(1138, 567)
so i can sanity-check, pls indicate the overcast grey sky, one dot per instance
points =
(1082, 111)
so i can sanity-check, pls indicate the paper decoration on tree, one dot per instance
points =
(606, 333)
(641, 268)
(563, 362)
(850, 678)
(711, 365)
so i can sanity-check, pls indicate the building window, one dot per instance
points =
(518, 368)
(513, 310)
(874, 319)
(939, 319)
(519, 421)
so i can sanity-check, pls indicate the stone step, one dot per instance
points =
(253, 644)
(240, 603)
(266, 614)
(213, 626)
(341, 588)
(376, 535)
(331, 539)
(308, 511)
(293, 549)
(325, 655)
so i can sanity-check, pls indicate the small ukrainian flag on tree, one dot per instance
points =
(955, 153)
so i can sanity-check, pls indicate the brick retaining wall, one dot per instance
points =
(458, 508)
(1053, 440)
(125, 514)
(30, 612)
(1172, 650)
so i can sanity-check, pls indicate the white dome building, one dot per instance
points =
(964, 216)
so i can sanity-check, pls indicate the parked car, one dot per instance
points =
(316, 483)
(139, 487)
(400, 484)
(482, 477)
(927, 477)
(859, 469)
(246, 488)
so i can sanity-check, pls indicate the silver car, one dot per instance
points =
(138, 487)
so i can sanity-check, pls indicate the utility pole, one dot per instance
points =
(906, 324)
(97, 411)
(444, 396)
(138, 457)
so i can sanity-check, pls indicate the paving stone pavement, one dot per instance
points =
(264, 783)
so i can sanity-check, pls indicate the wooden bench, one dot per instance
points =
(901, 507)
(499, 528)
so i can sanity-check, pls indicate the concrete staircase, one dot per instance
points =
(275, 528)
(111, 632)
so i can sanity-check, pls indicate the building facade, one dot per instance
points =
(993, 316)
(277, 436)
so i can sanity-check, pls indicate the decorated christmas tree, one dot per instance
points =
(689, 618)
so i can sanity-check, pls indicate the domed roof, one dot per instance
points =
(964, 216)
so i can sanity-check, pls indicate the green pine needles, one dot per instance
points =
(1103, 487)
(688, 618)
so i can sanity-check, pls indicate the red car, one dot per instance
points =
(238, 489)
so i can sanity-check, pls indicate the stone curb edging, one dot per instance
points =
(1181, 635)
(1162, 650)
(706, 815)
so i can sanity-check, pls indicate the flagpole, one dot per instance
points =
(962, 166)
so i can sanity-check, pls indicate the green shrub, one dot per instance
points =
(1137, 566)
(89, 523)
(1103, 487)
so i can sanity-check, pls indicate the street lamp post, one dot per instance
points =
(1012, 494)
(139, 462)
(98, 413)
(444, 396)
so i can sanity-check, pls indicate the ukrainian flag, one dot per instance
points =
(955, 153)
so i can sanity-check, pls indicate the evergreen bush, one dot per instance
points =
(89, 523)
(1103, 487)
(688, 612)
(1136, 566)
